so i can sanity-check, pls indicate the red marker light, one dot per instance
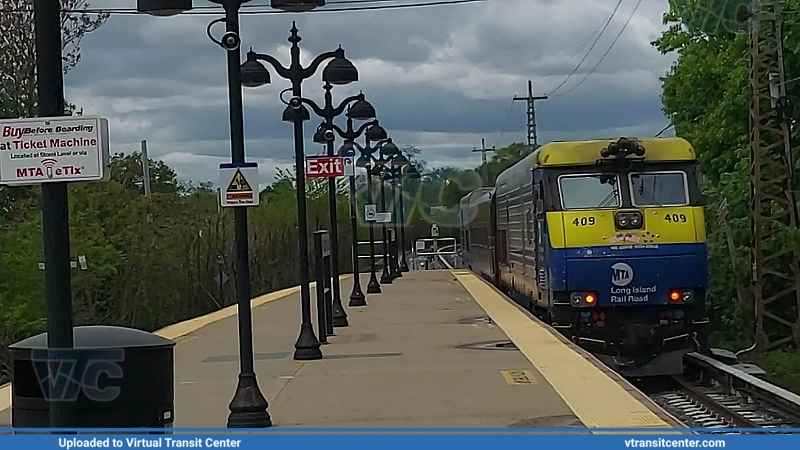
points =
(675, 296)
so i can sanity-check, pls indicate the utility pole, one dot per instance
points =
(533, 139)
(483, 151)
(775, 273)
(145, 170)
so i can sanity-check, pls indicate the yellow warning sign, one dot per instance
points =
(239, 183)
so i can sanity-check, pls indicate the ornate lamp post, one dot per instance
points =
(361, 109)
(387, 152)
(374, 132)
(248, 407)
(366, 160)
(339, 71)
(398, 162)
(411, 173)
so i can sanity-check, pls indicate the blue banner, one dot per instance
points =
(389, 439)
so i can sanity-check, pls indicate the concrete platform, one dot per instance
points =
(400, 364)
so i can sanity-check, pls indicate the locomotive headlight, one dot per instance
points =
(636, 221)
(630, 220)
(583, 299)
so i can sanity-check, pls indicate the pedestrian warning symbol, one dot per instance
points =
(241, 180)
(239, 183)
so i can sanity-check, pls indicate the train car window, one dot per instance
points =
(589, 191)
(659, 188)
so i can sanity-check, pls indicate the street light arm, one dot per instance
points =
(343, 134)
(283, 72)
(358, 146)
(317, 110)
(308, 72)
(340, 109)
(364, 127)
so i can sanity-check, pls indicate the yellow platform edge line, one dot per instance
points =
(181, 329)
(595, 398)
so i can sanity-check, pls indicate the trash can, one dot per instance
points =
(118, 378)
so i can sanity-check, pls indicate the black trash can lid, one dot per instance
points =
(101, 337)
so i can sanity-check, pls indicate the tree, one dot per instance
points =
(18, 97)
(705, 94)
(503, 159)
(128, 171)
(18, 51)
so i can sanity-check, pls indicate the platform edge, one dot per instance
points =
(658, 418)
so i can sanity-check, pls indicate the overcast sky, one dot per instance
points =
(440, 77)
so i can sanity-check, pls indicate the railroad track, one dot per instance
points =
(714, 395)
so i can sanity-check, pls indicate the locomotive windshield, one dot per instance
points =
(589, 191)
(659, 189)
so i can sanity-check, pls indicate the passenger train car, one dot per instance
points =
(604, 240)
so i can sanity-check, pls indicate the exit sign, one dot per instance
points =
(325, 167)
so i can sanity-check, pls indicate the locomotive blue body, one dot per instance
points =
(605, 241)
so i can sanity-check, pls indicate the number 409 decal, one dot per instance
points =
(675, 218)
(584, 221)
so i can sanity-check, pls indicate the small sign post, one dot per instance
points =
(370, 211)
(349, 167)
(239, 183)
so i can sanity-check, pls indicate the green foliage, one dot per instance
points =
(706, 94)
(503, 159)
(151, 261)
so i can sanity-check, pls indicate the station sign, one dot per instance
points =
(54, 149)
(239, 183)
(325, 166)
(369, 212)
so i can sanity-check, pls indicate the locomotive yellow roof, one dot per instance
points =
(578, 153)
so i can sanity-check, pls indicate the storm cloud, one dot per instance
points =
(441, 78)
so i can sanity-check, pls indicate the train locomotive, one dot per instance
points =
(605, 241)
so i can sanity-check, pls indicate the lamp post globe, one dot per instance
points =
(290, 114)
(254, 74)
(376, 133)
(361, 109)
(340, 71)
(400, 160)
(363, 161)
(347, 149)
(296, 5)
(389, 150)
(319, 135)
(163, 8)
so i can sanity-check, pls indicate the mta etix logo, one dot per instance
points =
(708, 15)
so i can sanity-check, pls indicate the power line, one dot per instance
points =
(613, 43)
(505, 123)
(663, 130)
(204, 11)
(596, 40)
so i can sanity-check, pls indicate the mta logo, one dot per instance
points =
(64, 374)
(621, 274)
(708, 16)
